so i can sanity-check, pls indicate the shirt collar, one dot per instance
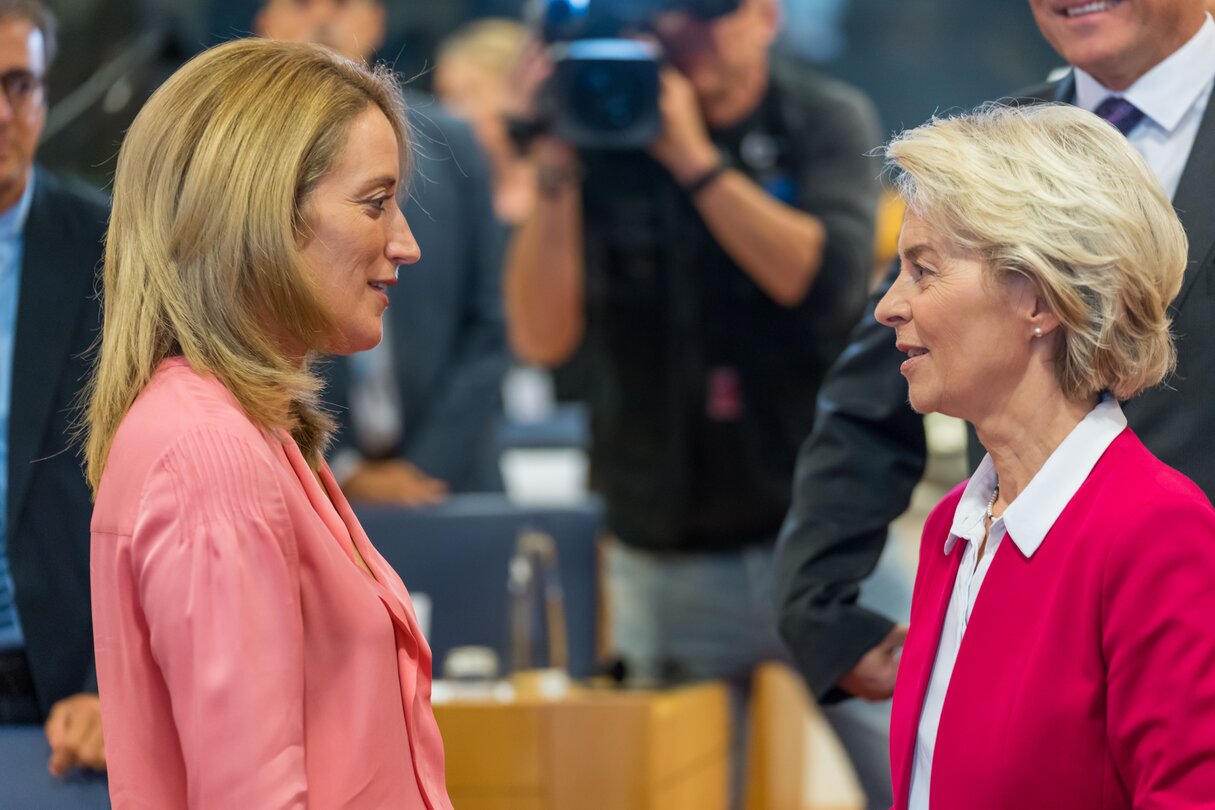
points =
(972, 508)
(12, 221)
(1031, 515)
(1168, 91)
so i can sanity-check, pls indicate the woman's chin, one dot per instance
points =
(920, 403)
(353, 344)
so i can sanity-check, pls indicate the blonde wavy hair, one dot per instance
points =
(1053, 193)
(202, 256)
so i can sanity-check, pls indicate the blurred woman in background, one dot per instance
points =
(472, 73)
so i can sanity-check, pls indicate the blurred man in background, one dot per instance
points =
(50, 247)
(713, 277)
(418, 413)
(1147, 66)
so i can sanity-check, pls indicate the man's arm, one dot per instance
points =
(855, 474)
(544, 266)
(781, 247)
(778, 246)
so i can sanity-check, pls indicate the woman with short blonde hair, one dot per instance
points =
(1085, 220)
(474, 70)
(1060, 647)
(253, 648)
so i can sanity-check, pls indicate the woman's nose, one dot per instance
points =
(892, 309)
(402, 247)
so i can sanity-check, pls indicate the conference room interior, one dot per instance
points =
(507, 583)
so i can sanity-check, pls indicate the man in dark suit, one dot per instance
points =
(50, 245)
(418, 412)
(1148, 66)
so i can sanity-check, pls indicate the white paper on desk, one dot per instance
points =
(421, 609)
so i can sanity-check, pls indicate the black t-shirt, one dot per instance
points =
(703, 386)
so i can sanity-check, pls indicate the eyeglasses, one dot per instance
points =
(21, 87)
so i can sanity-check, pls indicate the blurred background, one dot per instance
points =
(913, 57)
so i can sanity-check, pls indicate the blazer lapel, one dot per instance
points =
(1194, 203)
(384, 574)
(388, 582)
(1065, 88)
(916, 667)
(48, 308)
(335, 514)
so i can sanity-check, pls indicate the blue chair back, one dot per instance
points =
(458, 553)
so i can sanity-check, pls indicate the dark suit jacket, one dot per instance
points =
(856, 471)
(58, 316)
(446, 321)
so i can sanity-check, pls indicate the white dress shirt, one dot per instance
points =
(376, 411)
(1026, 521)
(1173, 97)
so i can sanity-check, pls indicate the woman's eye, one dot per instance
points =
(378, 203)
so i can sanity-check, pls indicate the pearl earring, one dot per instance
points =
(1037, 331)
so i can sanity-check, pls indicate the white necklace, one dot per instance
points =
(995, 493)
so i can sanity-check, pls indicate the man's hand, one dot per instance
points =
(873, 676)
(396, 482)
(531, 70)
(683, 146)
(74, 733)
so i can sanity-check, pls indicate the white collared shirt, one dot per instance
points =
(1173, 97)
(1027, 521)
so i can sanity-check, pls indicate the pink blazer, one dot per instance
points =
(1086, 678)
(243, 660)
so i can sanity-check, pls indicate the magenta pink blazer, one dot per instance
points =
(243, 660)
(1086, 678)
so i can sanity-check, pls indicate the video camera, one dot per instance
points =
(603, 93)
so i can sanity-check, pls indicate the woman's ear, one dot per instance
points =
(1030, 305)
(1042, 319)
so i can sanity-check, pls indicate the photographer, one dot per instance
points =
(712, 277)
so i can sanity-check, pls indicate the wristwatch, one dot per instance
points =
(551, 179)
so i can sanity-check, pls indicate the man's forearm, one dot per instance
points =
(854, 475)
(544, 279)
(779, 247)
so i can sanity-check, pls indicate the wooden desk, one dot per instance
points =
(795, 761)
(590, 750)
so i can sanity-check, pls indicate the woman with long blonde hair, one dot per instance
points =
(253, 648)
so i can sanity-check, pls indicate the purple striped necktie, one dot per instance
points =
(1121, 113)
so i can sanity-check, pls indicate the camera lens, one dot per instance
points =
(604, 93)
(607, 98)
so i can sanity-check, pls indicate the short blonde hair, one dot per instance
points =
(202, 255)
(493, 43)
(1053, 193)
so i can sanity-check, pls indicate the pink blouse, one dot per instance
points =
(244, 660)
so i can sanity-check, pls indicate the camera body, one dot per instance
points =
(603, 93)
